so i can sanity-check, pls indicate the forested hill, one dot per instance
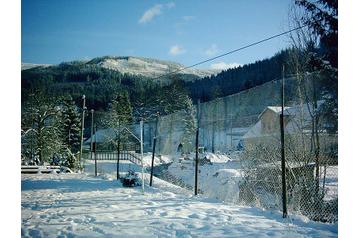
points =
(234, 80)
(101, 79)
(99, 84)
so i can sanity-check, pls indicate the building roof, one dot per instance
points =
(300, 118)
(102, 136)
(275, 109)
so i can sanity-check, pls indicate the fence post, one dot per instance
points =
(153, 153)
(283, 167)
(95, 153)
(197, 148)
(91, 147)
(118, 151)
(141, 152)
(82, 128)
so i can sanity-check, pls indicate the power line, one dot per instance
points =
(233, 51)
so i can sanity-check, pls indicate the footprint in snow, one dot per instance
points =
(76, 220)
(35, 233)
(90, 218)
(96, 229)
(150, 212)
(163, 214)
(197, 216)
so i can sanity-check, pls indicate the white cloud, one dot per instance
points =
(213, 50)
(188, 18)
(150, 13)
(176, 50)
(170, 5)
(154, 11)
(223, 65)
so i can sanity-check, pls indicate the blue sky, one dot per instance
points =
(181, 31)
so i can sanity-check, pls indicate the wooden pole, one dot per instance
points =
(141, 153)
(82, 127)
(153, 153)
(283, 167)
(91, 147)
(95, 153)
(118, 150)
(197, 149)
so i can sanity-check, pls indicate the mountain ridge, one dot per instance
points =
(135, 65)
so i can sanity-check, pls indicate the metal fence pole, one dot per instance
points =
(82, 126)
(91, 147)
(95, 153)
(197, 149)
(153, 153)
(283, 167)
(141, 153)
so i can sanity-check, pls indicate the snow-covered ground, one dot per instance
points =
(163, 159)
(331, 182)
(219, 180)
(108, 168)
(79, 205)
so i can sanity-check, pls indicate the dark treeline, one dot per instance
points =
(101, 85)
(234, 80)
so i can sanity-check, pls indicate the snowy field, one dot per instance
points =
(331, 186)
(78, 205)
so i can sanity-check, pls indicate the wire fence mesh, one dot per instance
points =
(240, 151)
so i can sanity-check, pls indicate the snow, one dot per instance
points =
(217, 180)
(331, 183)
(108, 168)
(217, 158)
(149, 67)
(78, 205)
(25, 66)
(163, 159)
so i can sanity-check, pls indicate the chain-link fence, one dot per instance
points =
(241, 146)
(111, 152)
(240, 149)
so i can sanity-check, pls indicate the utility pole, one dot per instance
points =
(95, 153)
(231, 124)
(283, 167)
(91, 147)
(197, 148)
(32, 136)
(153, 153)
(141, 152)
(118, 148)
(82, 126)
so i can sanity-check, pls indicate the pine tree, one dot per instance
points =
(120, 114)
(71, 124)
(41, 126)
(71, 129)
(190, 124)
(322, 19)
(121, 109)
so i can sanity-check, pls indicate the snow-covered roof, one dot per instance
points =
(275, 109)
(108, 134)
(300, 118)
(103, 135)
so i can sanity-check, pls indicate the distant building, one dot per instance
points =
(107, 140)
(297, 128)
